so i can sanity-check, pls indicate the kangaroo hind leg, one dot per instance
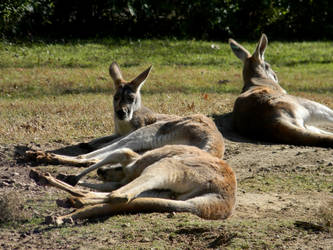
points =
(301, 135)
(208, 206)
(123, 156)
(318, 113)
(317, 130)
(138, 205)
(52, 158)
(165, 174)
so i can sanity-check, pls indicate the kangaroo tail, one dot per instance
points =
(142, 205)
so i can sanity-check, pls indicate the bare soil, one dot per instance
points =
(276, 208)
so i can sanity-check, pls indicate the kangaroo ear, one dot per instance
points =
(239, 50)
(261, 47)
(115, 74)
(138, 82)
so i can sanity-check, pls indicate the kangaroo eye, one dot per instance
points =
(130, 98)
(275, 77)
(267, 66)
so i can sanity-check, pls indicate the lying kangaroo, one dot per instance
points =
(173, 178)
(140, 129)
(129, 113)
(196, 130)
(264, 109)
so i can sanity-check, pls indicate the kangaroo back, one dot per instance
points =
(264, 110)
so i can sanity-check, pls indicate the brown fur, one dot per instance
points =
(140, 129)
(199, 183)
(189, 168)
(265, 111)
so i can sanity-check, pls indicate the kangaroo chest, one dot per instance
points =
(141, 118)
(123, 127)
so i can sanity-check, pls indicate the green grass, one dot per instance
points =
(95, 53)
(39, 69)
(43, 84)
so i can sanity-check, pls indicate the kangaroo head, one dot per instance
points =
(255, 65)
(114, 174)
(127, 97)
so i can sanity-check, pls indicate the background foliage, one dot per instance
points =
(201, 19)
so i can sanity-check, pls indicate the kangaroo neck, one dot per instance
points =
(256, 82)
(123, 127)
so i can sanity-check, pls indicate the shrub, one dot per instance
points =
(203, 19)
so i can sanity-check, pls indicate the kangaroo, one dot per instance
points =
(140, 129)
(264, 110)
(196, 130)
(129, 113)
(173, 178)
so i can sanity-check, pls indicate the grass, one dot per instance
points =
(295, 180)
(60, 93)
(325, 213)
(12, 210)
(293, 183)
(34, 70)
(55, 81)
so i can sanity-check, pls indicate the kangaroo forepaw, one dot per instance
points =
(69, 179)
(72, 202)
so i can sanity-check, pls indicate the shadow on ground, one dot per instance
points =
(224, 125)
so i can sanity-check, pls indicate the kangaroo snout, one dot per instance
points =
(101, 172)
(121, 114)
(111, 173)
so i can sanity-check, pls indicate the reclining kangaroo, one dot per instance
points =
(140, 129)
(129, 113)
(173, 178)
(264, 110)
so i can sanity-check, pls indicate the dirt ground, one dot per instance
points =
(279, 212)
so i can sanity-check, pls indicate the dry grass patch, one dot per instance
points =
(325, 214)
(12, 208)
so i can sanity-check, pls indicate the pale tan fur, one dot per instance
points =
(153, 130)
(265, 111)
(196, 130)
(184, 162)
(193, 181)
